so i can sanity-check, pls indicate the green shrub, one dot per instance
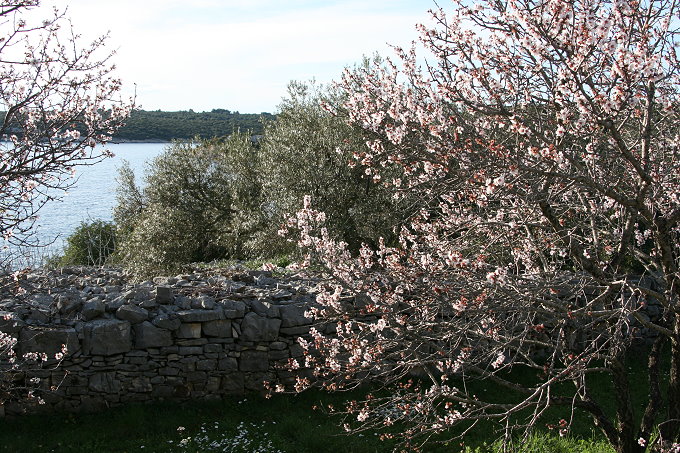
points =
(91, 244)
(200, 202)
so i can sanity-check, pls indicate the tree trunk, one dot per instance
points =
(671, 429)
(625, 420)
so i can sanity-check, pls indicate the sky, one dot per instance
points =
(239, 54)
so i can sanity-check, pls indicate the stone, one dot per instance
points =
(48, 341)
(191, 341)
(140, 384)
(206, 365)
(234, 309)
(43, 300)
(281, 294)
(69, 302)
(132, 313)
(265, 308)
(198, 315)
(278, 355)
(166, 321)
(104, 382)
(254, 361)
(183, 302)
(106, 337)
(196, 376)
(227, 364)
(204, 302)
(212, 348)
(115, 303)
(294, 316)
(256, 382)
(278, 346)
(263, 280)
(232, 383)
(259, 328)
(189, 330)
(148, 304)
(10, 322)
(38, 316)
(295, 331)
(164, 295)
(143, 292)
(149, 336)
(217, 328)
(93, 309)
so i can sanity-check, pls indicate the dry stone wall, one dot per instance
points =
(193, 336)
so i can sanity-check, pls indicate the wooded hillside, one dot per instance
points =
(166, 126)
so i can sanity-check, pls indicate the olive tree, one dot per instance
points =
(541, 138)
(305, 153)
(200, 201)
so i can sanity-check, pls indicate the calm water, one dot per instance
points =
(94, 194)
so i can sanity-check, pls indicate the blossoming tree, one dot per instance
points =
(541, 138)
(60, 99)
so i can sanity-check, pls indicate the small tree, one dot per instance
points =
(59, 100)
(542, 141)
(90, 244)
(200, 202)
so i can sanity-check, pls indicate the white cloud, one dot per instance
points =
(240, 54)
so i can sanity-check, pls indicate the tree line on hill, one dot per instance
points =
(159, 125)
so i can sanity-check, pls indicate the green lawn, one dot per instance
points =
(286, 423)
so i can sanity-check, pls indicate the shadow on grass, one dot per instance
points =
(289, 422)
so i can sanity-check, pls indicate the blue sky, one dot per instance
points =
(239, 54)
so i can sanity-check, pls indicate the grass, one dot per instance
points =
(284, 423)
(289, 422)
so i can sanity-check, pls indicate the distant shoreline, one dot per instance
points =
(118, 141)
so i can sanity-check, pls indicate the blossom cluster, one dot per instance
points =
(541, 144)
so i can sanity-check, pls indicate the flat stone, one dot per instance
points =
(48, 341)
(132, 313)
(254, 361)
(204, 302)
(228, 364)
(198, 315)
(259, 328)
(114, 304)
(206, 365)
(104, 382)
(210, 348)
(189, 330)
(106, 337)
(281, 294)
(265, 308)
(149, 336)
(217, 328)
(10, 322)
(233, 383)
